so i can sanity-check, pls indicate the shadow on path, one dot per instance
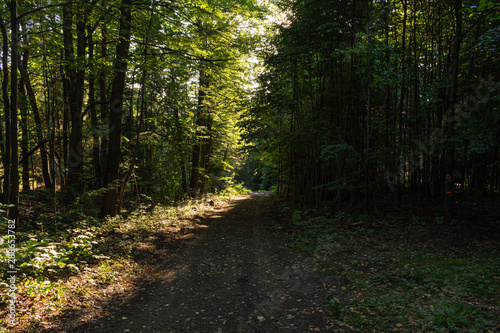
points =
(233, 275)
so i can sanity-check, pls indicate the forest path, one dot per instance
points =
(235, 275)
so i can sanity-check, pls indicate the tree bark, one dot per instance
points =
(368, 111)
(109, 202)
(38, 123)
(23, 106)
(206, 147)
(75, 74)
(449, 182)
(14, 149)
(24, 117)
(197, 145)
(93, 113)
(6, 102)
(182, 163)
(401, 103)
(103, 97)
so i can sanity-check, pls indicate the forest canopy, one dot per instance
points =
(379, 102)
(347, 102)
(109, 97)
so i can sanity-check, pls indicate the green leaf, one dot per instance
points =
(73, 268)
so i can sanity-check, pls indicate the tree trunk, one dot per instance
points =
(103, 98)
(109, 202)
(449, 183)
(93, 113)
(196, 165)
(75, 74)
(206, 147)
(38, 123)
(182, 163)
(401, 102)
(6, 102)
(23, 106)
(368, 112)
(14, 150)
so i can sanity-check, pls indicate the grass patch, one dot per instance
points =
(404, 275)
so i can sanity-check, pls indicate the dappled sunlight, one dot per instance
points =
(223, 278)
(143, 242)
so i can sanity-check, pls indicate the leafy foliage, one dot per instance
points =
(357, 104)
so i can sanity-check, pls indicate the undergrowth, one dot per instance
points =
(65, 253)
(403, 274)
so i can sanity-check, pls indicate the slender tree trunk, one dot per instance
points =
(132, 163)
(196, 159)
(182, 163)
(109, 203)
(23, 106)
(195, 168)
(75, 74)
(65, 124)
(14, 150)
(368, 112)
(6, 102)
(206, 148)
(51, 122)
(449, 183)
(38, 123)
(93, 112)
(103, 97)
(402, 101)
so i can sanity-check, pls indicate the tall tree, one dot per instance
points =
(38, 121)
(355, 92)
(14, 148)
(75, 78)
(200, 154)
(450, 119)
(109, 203)
(6, 108)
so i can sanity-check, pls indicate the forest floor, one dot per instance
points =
(229, 270)
(254, 264)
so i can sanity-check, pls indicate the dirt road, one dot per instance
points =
(235, 275)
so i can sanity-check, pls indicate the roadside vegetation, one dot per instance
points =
(69, 262)
(401, 273)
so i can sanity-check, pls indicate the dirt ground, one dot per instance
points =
(231, 272)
